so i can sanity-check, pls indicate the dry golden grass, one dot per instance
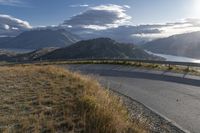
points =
(49, 99)
(172, 68)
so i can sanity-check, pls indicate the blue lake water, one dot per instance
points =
(176, 58)
(167, 57)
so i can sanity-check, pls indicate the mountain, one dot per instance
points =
(98, 48)
(41, 38)
(7, 55)
(5, 39)
(187, 45)
(30, 56)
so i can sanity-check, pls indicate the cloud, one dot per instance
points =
(10, 26)
(168, 29)
(124, 33)
(127, 6)
(113, 21)
(83, 5)
(100, 17)
(138, 33)
(183, 26)
(11, 2)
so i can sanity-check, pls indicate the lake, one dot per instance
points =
(176, 58)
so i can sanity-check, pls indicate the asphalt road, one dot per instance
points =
(174, 96)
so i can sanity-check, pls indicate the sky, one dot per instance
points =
(134, 19)
(53, 12)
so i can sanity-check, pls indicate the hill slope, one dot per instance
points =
(49, 99)
(98, 48)
(7, 55)
(187, 45)
(41, 38)
(33, 55)
(5, 39)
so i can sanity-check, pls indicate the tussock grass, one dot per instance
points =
(172, 68)
(49, 99)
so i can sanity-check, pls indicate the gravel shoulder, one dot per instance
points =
(155, 122)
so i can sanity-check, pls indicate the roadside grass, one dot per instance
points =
(172, 68)
(45, 99)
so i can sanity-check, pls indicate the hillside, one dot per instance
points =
(7, 55)
(98, 48)
(30, 56)
(40, 38)
(5, 39)
(50, 99)
(187, 45)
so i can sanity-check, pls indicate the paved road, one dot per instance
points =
(175, 96)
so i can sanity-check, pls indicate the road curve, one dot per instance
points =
(175, 96)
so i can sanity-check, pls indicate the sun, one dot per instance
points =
(196, 9)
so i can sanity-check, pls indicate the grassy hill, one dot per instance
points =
(33, 55)
(50, 99)
(98, 48)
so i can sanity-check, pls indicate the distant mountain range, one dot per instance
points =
(39, 38)
(88, 49)
(187, 45)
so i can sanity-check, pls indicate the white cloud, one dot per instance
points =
(7, 27)
(10, 26)
(11, 2)
(82, 5)
(14, 21)
(183, 26)
(127, 6)
(113, 21)
(100, 17)
(137, 33)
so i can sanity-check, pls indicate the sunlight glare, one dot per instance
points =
(196, 9)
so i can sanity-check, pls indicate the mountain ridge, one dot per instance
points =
(187, 45)
(41, 38)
